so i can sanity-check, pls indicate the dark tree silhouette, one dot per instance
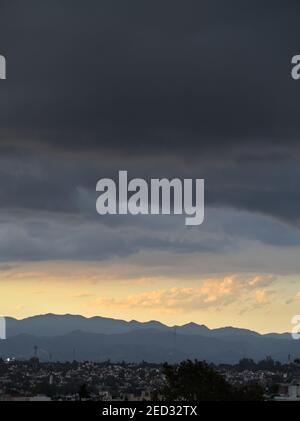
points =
(197, 381)
(83, 392)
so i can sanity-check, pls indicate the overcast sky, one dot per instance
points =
(162, 89)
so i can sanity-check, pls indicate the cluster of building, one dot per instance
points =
(279, 381)
(32, 380)
(107, 381)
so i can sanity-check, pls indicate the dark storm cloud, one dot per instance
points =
(156, 75)
(229, 241)
(178, 88)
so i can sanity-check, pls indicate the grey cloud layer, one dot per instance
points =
(161, 88)
(161, 245)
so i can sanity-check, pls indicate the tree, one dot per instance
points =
(197, 381)
(83, 392)
(247, 364)
(194, 381)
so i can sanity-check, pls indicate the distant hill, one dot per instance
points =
(54, 325)
(151, 345)
(60, 337)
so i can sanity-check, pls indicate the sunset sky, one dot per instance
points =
(160, 89)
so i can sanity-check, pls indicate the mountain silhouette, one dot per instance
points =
(99, 338)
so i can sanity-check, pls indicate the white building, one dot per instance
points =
(289, 392)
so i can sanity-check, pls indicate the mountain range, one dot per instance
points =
(68, 337)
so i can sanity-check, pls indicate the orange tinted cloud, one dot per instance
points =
(262, 295)
(212, 292)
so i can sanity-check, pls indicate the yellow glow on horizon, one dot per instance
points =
(94, 290)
